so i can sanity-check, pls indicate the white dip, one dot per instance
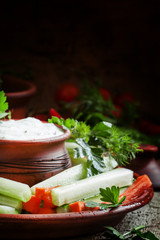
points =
(27, 129)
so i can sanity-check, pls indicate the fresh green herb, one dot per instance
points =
(103, 139)
(91, 106)
(134, 234)
(3, 105)
(110, 195)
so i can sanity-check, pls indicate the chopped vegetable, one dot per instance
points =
(78, 206)
(14, 189)
(63, 178)
(8, 210)
(46, 210)
(33, 205)
(45, 195)
(11, 202)
(89, 187)
(136, 189)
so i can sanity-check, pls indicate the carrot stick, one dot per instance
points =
(136, 189)
(78, 206)
(32, 205)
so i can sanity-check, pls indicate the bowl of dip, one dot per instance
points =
(32, 150)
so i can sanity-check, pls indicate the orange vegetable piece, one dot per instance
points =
(46, 210)
(136, 189)
(32, 205)
(91, 209)
(78, 206)
(44, 193)
(39, 192)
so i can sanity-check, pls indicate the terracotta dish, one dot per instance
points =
(18, 92)
(146, 163)
(32, 161)
(143, 158)
(62, 225)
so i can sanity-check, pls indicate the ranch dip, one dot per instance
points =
(27, 129)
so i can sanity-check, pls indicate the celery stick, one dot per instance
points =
(8, 210)
(11, 202)
(63, 178)
(89, 187)
(15, 189)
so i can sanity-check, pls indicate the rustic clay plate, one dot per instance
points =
(146, 163)
(63, 225)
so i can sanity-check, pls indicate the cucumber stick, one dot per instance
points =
(8, 210)
(14, 189)
(63, 178)
(89, 187)
(11, 202)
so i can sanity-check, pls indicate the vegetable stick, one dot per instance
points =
(63, 178)
(15, 189)
(8, 210)
(90, 186)
(136, 189)
(11, 202)
(78, 206)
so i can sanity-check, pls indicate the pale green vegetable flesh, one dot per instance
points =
(89, 187)
(110, 162)
(8, 210)
(11, 202)
(63, 178)
(15, 189)
(63, 209)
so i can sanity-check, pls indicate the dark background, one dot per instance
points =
(57, 41)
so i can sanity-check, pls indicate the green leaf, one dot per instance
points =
(95, 162)
(112, 233)
(134, 234)
(3, 105)
(110, 194)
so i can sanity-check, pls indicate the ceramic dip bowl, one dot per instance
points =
(32, 159)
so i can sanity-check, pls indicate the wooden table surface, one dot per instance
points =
(149, 215)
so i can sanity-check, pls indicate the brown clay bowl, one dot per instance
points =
(62, 225)
(33, 161)
(143, 158)
(18, 92)
(146, 163)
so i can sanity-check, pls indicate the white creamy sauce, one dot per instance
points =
(27, 129)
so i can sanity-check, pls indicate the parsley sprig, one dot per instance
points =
(3, 105)
(103, 139)
(109, 195)
(134, 234)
